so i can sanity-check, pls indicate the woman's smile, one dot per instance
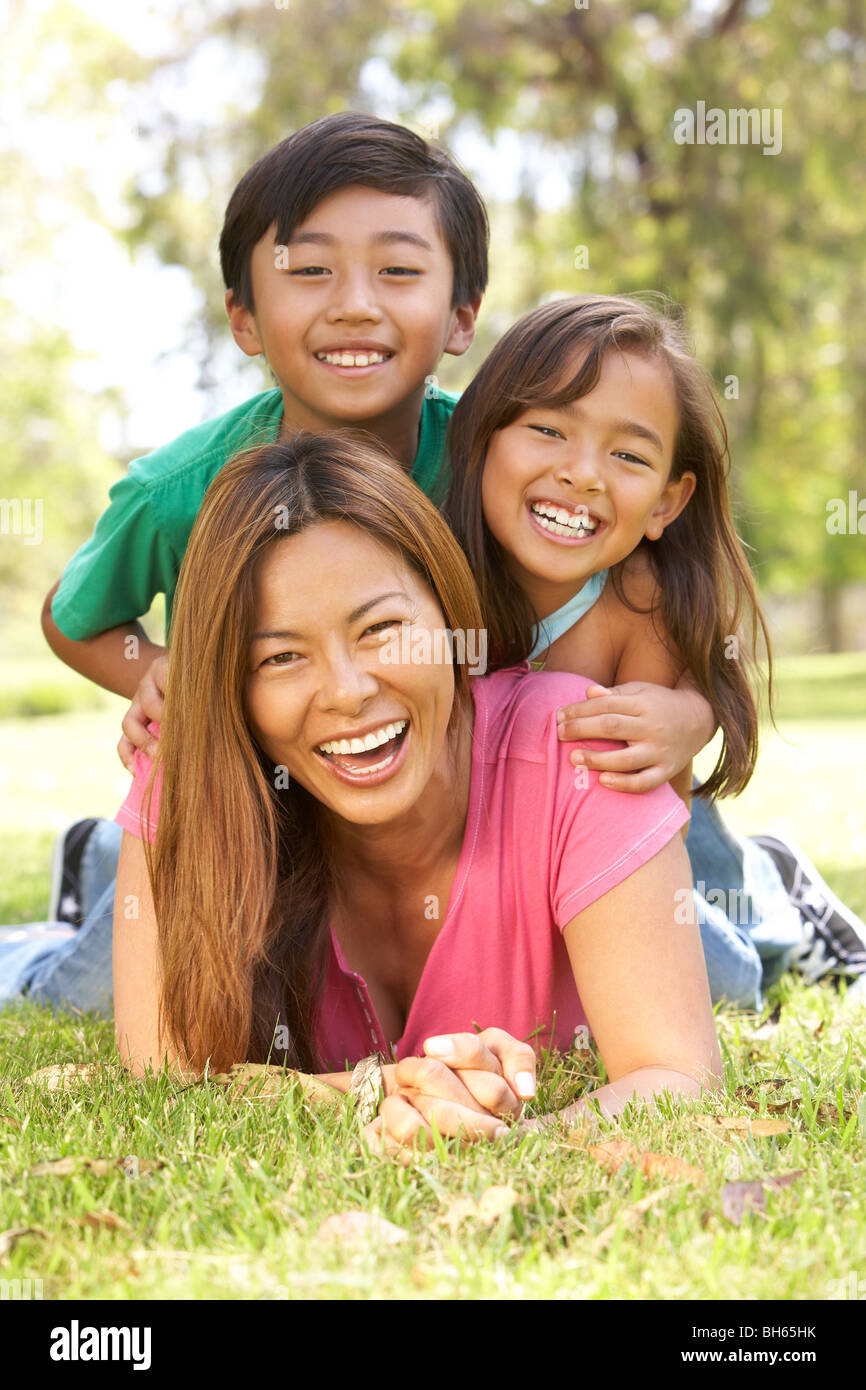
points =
(358, 760)
(329, 697)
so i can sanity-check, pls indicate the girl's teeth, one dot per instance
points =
(563, 523)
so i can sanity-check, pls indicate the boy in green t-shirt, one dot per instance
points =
(354, 254)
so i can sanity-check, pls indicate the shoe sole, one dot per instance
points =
(58, 861)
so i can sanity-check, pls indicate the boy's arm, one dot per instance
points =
(116, 659)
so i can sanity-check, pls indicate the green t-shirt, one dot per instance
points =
(138, 543)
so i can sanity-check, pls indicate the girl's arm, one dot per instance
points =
(652, 703)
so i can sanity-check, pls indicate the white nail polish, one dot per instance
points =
(525, 1083)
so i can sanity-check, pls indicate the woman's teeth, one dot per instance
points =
(561, 522)
(353, 359)
(368, 742)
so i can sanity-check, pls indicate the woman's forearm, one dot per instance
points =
(641, 1085)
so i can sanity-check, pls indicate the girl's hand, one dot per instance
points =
(466, 1085)
(659, 725)
(146, 707)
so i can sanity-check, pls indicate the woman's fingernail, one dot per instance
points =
(578, 759)
(560, 715)
(439, 1047)
(525, 1083)
(500, 1131)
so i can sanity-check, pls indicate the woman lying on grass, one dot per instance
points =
(341, 900)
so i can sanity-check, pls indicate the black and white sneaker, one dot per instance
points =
(65, 902)
(835, 938)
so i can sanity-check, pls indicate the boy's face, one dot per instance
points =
(367, 275)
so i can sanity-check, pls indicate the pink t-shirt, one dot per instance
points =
(538, 848)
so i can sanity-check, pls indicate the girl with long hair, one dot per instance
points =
(589, 469)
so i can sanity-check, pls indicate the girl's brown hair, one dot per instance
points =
(706, 590)
(242, 869)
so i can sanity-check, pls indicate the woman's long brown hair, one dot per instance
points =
(705, 585)
(241, 870)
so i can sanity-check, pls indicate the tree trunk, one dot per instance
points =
(831, 618)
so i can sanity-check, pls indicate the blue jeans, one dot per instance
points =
(747, 924)
(69, 969)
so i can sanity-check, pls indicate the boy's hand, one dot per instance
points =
(663, 729)
(146, 705)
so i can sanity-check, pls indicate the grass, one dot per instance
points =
(236, 1208)
(242, 1189)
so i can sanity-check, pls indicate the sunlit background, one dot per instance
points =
(123, 130)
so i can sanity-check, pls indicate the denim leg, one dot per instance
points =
(743, 885)
(716, 855)
(77, 974)
(63, 967)
(99, 862)
(734, 967)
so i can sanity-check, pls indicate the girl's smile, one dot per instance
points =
(573, 489)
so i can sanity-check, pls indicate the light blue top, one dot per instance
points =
(553, 626)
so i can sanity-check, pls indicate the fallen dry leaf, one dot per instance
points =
(751, 1094)
(100, 1167)
(259, 1081)
(743, 1124)
(629, 1217)
(359, 1228)
(737, 1197)
(101, 1216)
(496, 1202)
(56, 1078)
(615, 1152)
(458, 1210)
(784, 1179)
(9, 1239)
(827, 1113)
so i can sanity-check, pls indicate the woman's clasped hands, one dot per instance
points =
(468, 1085)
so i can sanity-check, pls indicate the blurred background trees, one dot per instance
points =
(564, 116)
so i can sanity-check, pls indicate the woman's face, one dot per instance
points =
(328, 663)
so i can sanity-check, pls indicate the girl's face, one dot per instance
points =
(325, 666)
(572, 490)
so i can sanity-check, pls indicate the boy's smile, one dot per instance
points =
(573, 489)
(354, 313)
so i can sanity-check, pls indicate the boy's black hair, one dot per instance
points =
(351, 148)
